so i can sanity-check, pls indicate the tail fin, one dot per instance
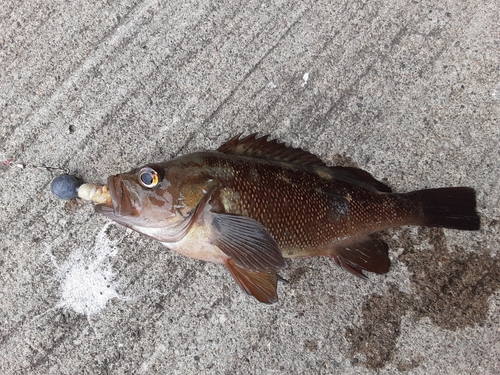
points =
(453, 208)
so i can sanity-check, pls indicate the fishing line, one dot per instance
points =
(67, 186)
(12, 164)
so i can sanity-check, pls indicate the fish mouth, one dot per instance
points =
(124, 201)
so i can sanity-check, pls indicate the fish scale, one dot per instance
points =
(300, 217)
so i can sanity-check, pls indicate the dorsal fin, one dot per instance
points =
(262, 148)
(358, 177)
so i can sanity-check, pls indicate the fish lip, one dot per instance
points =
(124, 201)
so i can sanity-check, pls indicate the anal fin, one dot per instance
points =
(260, 284)
(368, 254)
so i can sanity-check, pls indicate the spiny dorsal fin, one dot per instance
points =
(262, 148)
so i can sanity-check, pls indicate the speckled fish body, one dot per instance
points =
(254, 202)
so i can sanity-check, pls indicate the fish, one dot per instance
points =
(255, 201)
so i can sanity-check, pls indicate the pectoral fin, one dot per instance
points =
(254, 255)
(368, 254)
(262, 285)
(247, 242)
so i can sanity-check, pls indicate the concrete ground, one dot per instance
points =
(409, 91)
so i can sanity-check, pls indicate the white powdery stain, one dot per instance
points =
(496, 92)
(87, 280)
(305, 79)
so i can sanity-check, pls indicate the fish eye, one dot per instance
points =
(148, 177)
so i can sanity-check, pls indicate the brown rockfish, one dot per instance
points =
(254, 202)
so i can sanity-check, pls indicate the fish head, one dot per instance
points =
(141, 198)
